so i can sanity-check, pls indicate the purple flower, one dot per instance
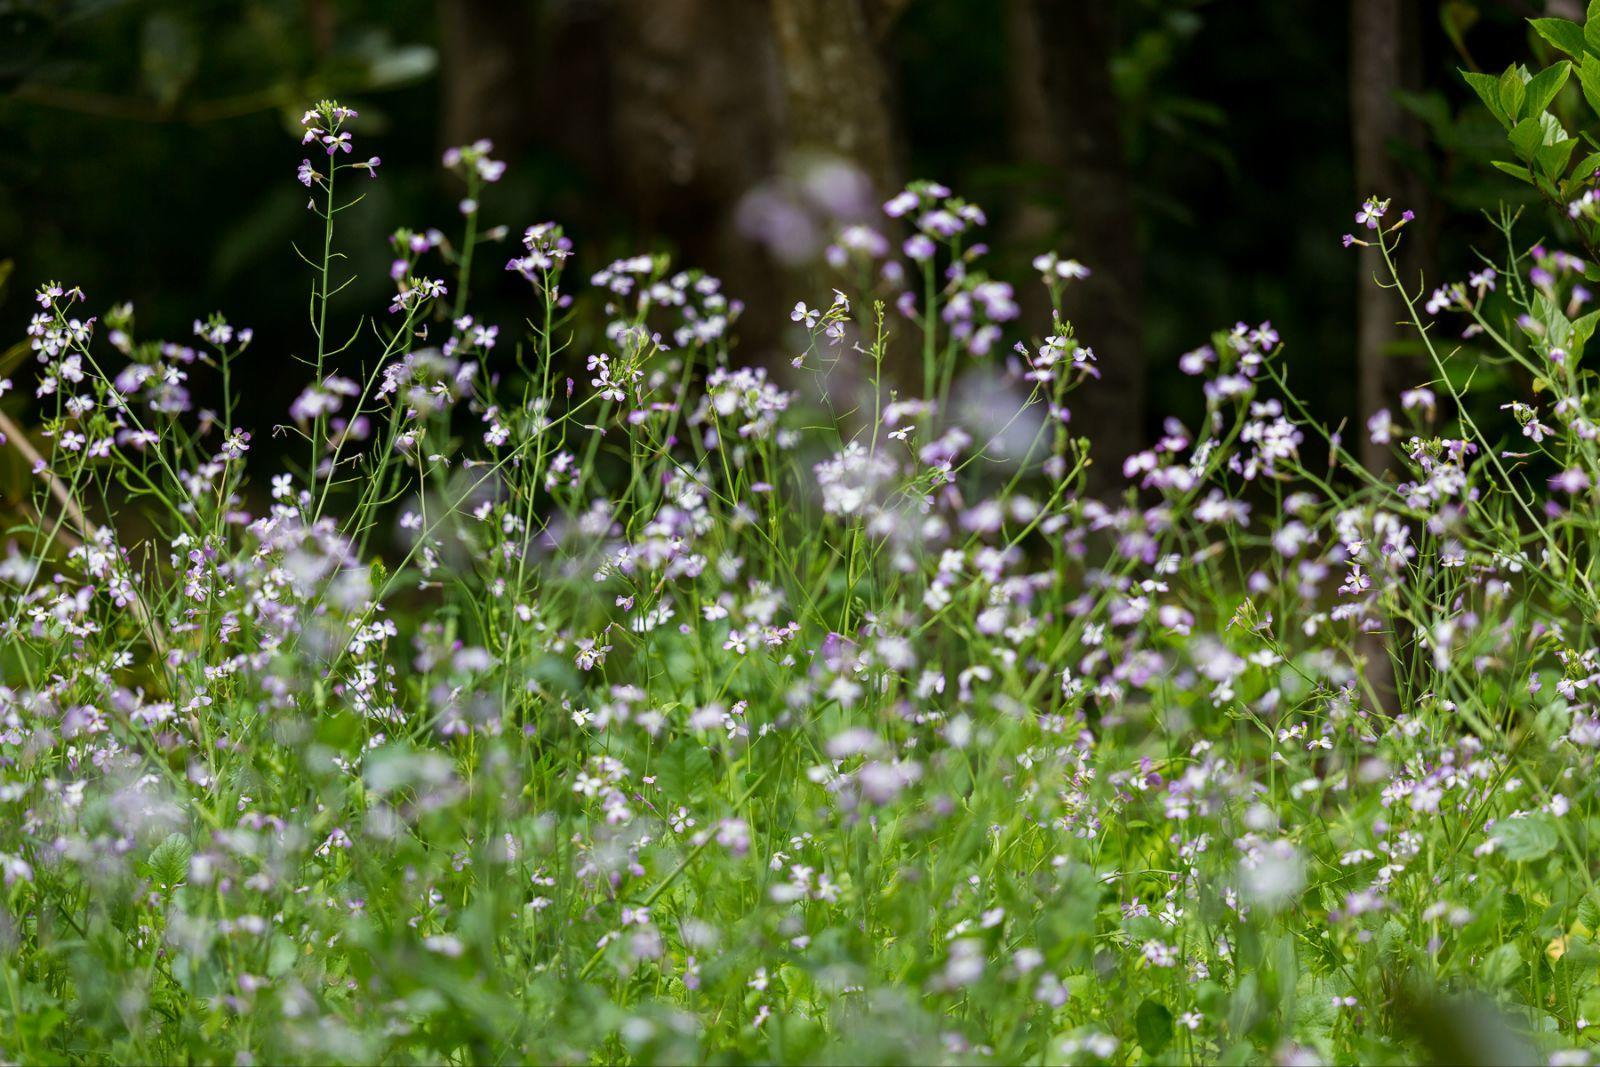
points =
(1371, 212)
(902, 203)
(941, 222)
(1570, 481)
(919, 248)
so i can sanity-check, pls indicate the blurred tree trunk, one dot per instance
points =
(836, 87)
(693, 125)
(1383, 46)
(837, 104)
(486, 48)
(1384, 58)
(1066, 120)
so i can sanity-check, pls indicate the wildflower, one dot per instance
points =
(1159, 954)
(237, 444)
(1380, 427)
(1371, 212)
(919, 248)
(591, 654)
(1420, 397)
(1570, 481)
(1055, 268)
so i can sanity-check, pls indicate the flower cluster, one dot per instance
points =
(713, 710)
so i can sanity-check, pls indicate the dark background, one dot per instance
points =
(1203, 157)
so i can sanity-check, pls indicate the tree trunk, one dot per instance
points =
(694, 121)
(836, 88)
(486, 49)
(1380, 39)
(1066, 121)
(1383, 58)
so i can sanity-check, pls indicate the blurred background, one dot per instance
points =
(1203, 157)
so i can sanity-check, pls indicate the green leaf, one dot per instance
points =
(1565, 35)
(1552, 158)
(1153, 1022)
(1392, 939)
(1557, 328)
(1526, 839)
(1525, 137)
(1500, 967)
(1588, 910)
(1512, 92)
(1580, 175)
(1457, 17)
(1591, 29)
(1519, 173)
(1589, 78)
(169, 861)
(401, 66)
(281, 955)
(1543, 87)
(1487, 86)
(1582, 330)
(682, 767)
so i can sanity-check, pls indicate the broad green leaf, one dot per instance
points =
(683, 767)
(1563, 34)
(1580, 176)
(1589, 78)
(1525, 137)
(1391, 939)
(1500, 967)
(1557, 329)
(1543, 87)
(1552, 158)
(1582, 330)
(1487, 86)
(1524, 840)
(1154, 1025)
(1512, 90)
(1588, 910)
(1456, 18)
(1519, 173)
(1551, 132)
(281, 955)
(169, 861)
(402, 66)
